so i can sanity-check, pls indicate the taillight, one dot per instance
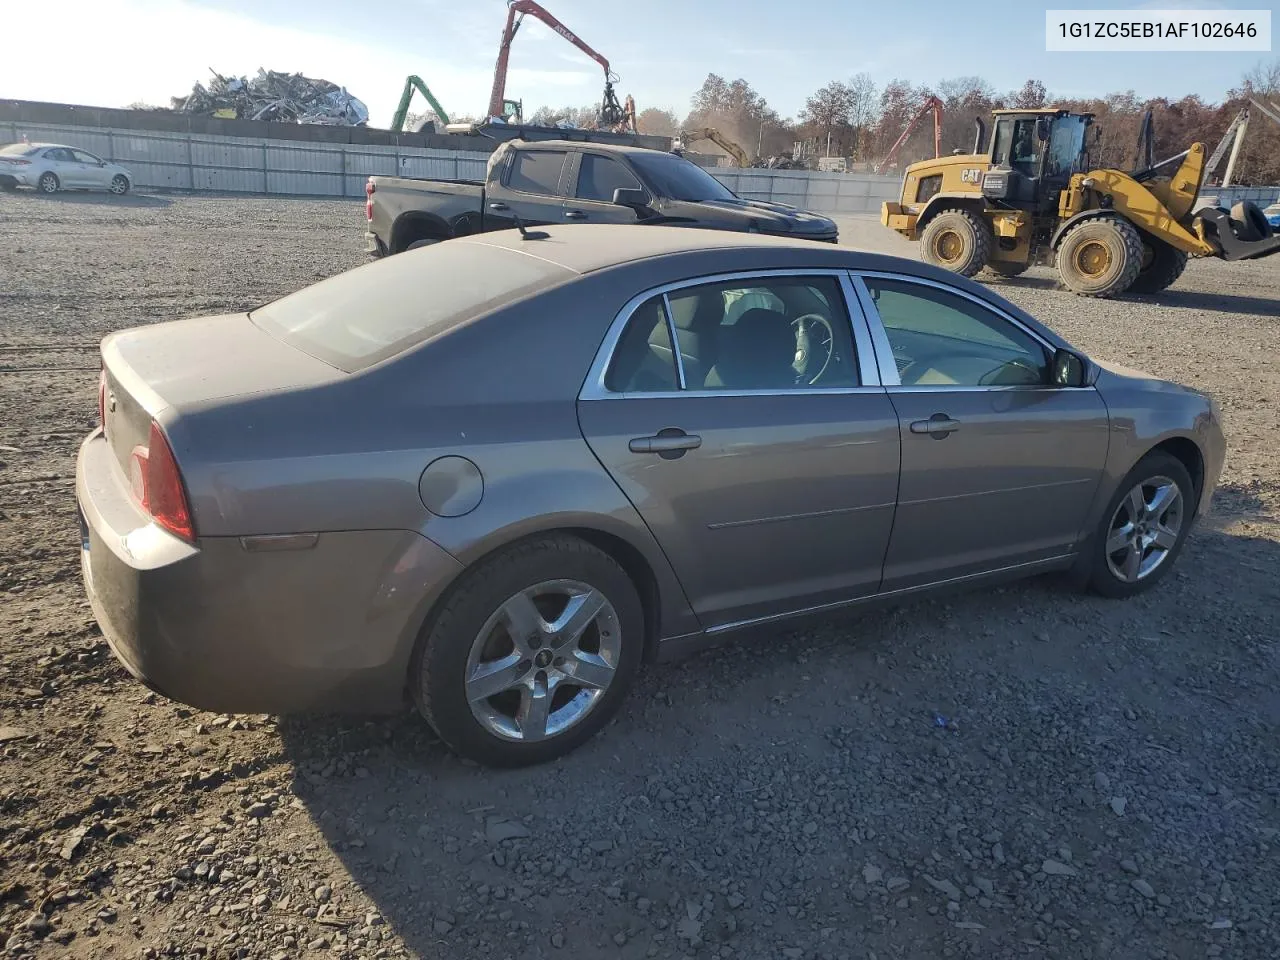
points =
(102, 399)
(157, 485)
(368, 199)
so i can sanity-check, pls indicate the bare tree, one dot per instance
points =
(1031, 96)
(863, 98)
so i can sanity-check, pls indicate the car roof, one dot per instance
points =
(625, 148)
(585, 248)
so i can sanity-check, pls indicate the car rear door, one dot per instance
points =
(595, 176)
(770, 491)
(60, 161)
(999, 468)
(531, 186)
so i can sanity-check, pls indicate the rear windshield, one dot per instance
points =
(17, 150)
(358, 318)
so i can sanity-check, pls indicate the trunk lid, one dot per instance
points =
(189, 363)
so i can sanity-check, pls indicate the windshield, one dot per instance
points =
(670, 176)
(18, 150)
(358, 318)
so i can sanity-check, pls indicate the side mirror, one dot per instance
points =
(629, 197)
(1067, 369)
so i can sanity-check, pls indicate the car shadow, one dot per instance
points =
(95, 198)
(1227, 302)
(564, 855)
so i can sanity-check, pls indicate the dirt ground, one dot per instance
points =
(1022, 772)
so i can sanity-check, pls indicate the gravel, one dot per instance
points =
(1105, 784)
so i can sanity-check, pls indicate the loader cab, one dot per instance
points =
(1033, 155)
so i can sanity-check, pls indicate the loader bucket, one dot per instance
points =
(1232, 248)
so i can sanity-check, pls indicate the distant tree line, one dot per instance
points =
(861, 121)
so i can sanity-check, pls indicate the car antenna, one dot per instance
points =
(528, 234)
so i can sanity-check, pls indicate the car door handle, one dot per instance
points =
(575, 215)
(498, 206)
(665, 442)
(939, 426)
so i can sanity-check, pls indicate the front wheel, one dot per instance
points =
(1144, 528)
(957, 240)
(119, 184)
(531, 654)
(48, 182)
(1162, 265)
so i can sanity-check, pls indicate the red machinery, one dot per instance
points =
(934, 104)
(612, 113)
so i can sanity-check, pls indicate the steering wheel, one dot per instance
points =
(814, 340)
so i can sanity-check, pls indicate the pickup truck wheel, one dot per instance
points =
(424, 242)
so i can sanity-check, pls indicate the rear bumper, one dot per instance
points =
(222, 627)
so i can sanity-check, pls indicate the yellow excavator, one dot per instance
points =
(719, 139)
(1033, 197)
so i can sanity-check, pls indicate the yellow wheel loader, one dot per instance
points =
(1034, 198)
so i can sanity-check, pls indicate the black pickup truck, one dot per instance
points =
(558, 181)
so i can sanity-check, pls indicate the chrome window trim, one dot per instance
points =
(884, 351)
(675, 339)
(593, 388)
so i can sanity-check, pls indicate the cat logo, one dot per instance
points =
(971, 175)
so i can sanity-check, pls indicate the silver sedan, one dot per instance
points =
(50, 167)
(492, 476)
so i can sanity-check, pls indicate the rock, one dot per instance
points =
(898, 884)
(735, 900)
(322, 893)
(12, 733)
(72, 841)
(557, 939)
(620, 938)
(1101, 782)
(792, 953)
(441, 927)
(872, 874)
(986, 886)
(688, 928)
(944, 887)
(258, 810)
(500, 829)
(969, 925)
(1129, 866)
(1117, 805)
(1057, 869)
(1143, 888)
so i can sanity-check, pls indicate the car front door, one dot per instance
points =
(596, 177)
(532, 188)
(757, 444)
(999, 467)
(92, 171)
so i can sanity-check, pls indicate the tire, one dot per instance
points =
(1249, 222)
(1007, 269)
(424, 242)
(1163, 264)
(1106, 569)
(471, 630)
(119, 184)
(1100, 257)
(48, 182)
(957, 240)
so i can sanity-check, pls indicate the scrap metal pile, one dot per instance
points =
(271, 95)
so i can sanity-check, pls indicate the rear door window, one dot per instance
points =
(537, 171)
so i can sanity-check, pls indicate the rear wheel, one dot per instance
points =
(424, 242)
(1162, 265)
(957, 240)
(532, 653)
(1100, 257)
(48, 182)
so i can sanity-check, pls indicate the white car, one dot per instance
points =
(50, 167)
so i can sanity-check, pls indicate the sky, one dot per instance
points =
(150, 50)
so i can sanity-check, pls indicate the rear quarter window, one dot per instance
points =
(366, 315)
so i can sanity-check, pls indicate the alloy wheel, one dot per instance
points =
(1144, 529)
(543, 661)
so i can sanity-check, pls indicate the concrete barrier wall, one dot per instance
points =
(177, 160)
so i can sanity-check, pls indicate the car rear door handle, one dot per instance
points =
(575, 215)
(665, 441)
(937, 426)
(498, 206)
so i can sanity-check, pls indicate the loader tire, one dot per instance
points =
(1100, 257)
(1007, 269)
(1163, 264)
(957, 240)
(1249, 222)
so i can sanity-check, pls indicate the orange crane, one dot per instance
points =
(612, 113)
(932, 103)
